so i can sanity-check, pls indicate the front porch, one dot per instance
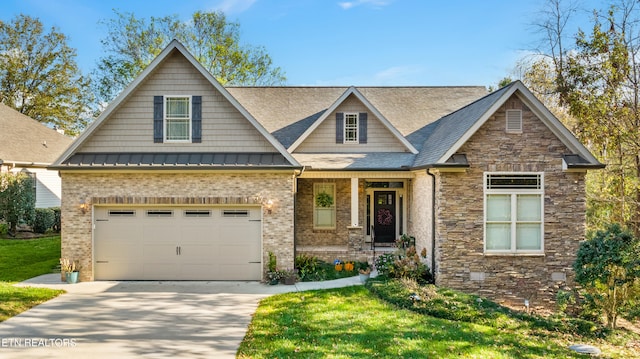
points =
(336, 217)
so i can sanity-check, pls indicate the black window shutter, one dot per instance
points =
(339, 127)
(362, 124)
(196, 119)
(158, 104)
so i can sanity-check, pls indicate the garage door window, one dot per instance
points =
(122, 213)
(197, 213)
(159, 213)
(235, 213)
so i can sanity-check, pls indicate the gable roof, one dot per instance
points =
(353, 91)
(287, 112)
(175, 45)
(448, 134)
(27, 141)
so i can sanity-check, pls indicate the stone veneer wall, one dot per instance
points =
(462, 263)
(197, 188)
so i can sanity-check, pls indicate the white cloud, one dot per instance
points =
(346, 5)
(234, 6)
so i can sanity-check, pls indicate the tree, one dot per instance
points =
(594, 88)
(608, 269)
(17, 199)
(132, 43)
(39, 76)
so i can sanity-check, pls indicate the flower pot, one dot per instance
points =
(63, 276)
(290, 280)
(274, 281)
(72, 277)
(364, 277)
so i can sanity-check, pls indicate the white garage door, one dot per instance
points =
(177, 243)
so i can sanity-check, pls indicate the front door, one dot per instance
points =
(384, 216)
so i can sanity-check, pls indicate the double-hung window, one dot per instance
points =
(351, 128)
(177, 118)
(514, 213)
(324, 206)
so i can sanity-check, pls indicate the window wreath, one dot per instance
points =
(384, 217)
(324, 199)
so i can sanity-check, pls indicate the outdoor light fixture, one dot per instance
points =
(269, 206)
(84, 207)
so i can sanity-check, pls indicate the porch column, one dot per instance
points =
(354, 202)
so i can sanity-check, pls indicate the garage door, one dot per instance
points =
(177, 243)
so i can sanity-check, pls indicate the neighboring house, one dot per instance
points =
(182, 178)
(29, 146)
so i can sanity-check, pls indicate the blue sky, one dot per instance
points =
(336, 42)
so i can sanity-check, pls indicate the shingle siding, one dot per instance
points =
(130, 129)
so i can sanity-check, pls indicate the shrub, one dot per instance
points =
(44, 219)
(404, 263)
(17, 199)
(607, 267)
(309, 268)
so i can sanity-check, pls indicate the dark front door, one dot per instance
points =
(384, 216)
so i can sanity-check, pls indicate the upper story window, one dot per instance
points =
(514, 121)
(514, 213)
(177, 118)
(351, 128)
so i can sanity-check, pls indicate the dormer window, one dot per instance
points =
(351, 128)
(514, 121)
(177, 118)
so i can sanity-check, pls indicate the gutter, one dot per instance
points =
(433, 224)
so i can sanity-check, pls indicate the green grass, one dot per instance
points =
(21, 260)
(354, 323)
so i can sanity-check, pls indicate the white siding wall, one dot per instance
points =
(130, 127)
(48, 186)
(379, 138)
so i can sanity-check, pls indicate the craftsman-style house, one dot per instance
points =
(184, 179)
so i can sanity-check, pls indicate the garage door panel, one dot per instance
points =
(160, 271)
(180, 243)
(118, 270)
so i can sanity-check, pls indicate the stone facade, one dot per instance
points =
(461, 261)
(185, 188)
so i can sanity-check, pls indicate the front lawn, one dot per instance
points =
(21, 260)
(353, 323)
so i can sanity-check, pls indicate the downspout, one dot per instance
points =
(433, 224)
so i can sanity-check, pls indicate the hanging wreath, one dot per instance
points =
(384, 217)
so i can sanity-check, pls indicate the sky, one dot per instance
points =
(337, 42)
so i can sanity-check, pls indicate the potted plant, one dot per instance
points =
(70, 269)
(364, 273)
(273, 275)
(290, 276)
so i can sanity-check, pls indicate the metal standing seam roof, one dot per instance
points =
(164, 160)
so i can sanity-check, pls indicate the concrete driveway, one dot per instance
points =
(140, 319)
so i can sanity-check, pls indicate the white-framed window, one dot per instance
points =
(351, 128)
(514, 121)
(514, 213)
(177, 118)
(324, 205)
